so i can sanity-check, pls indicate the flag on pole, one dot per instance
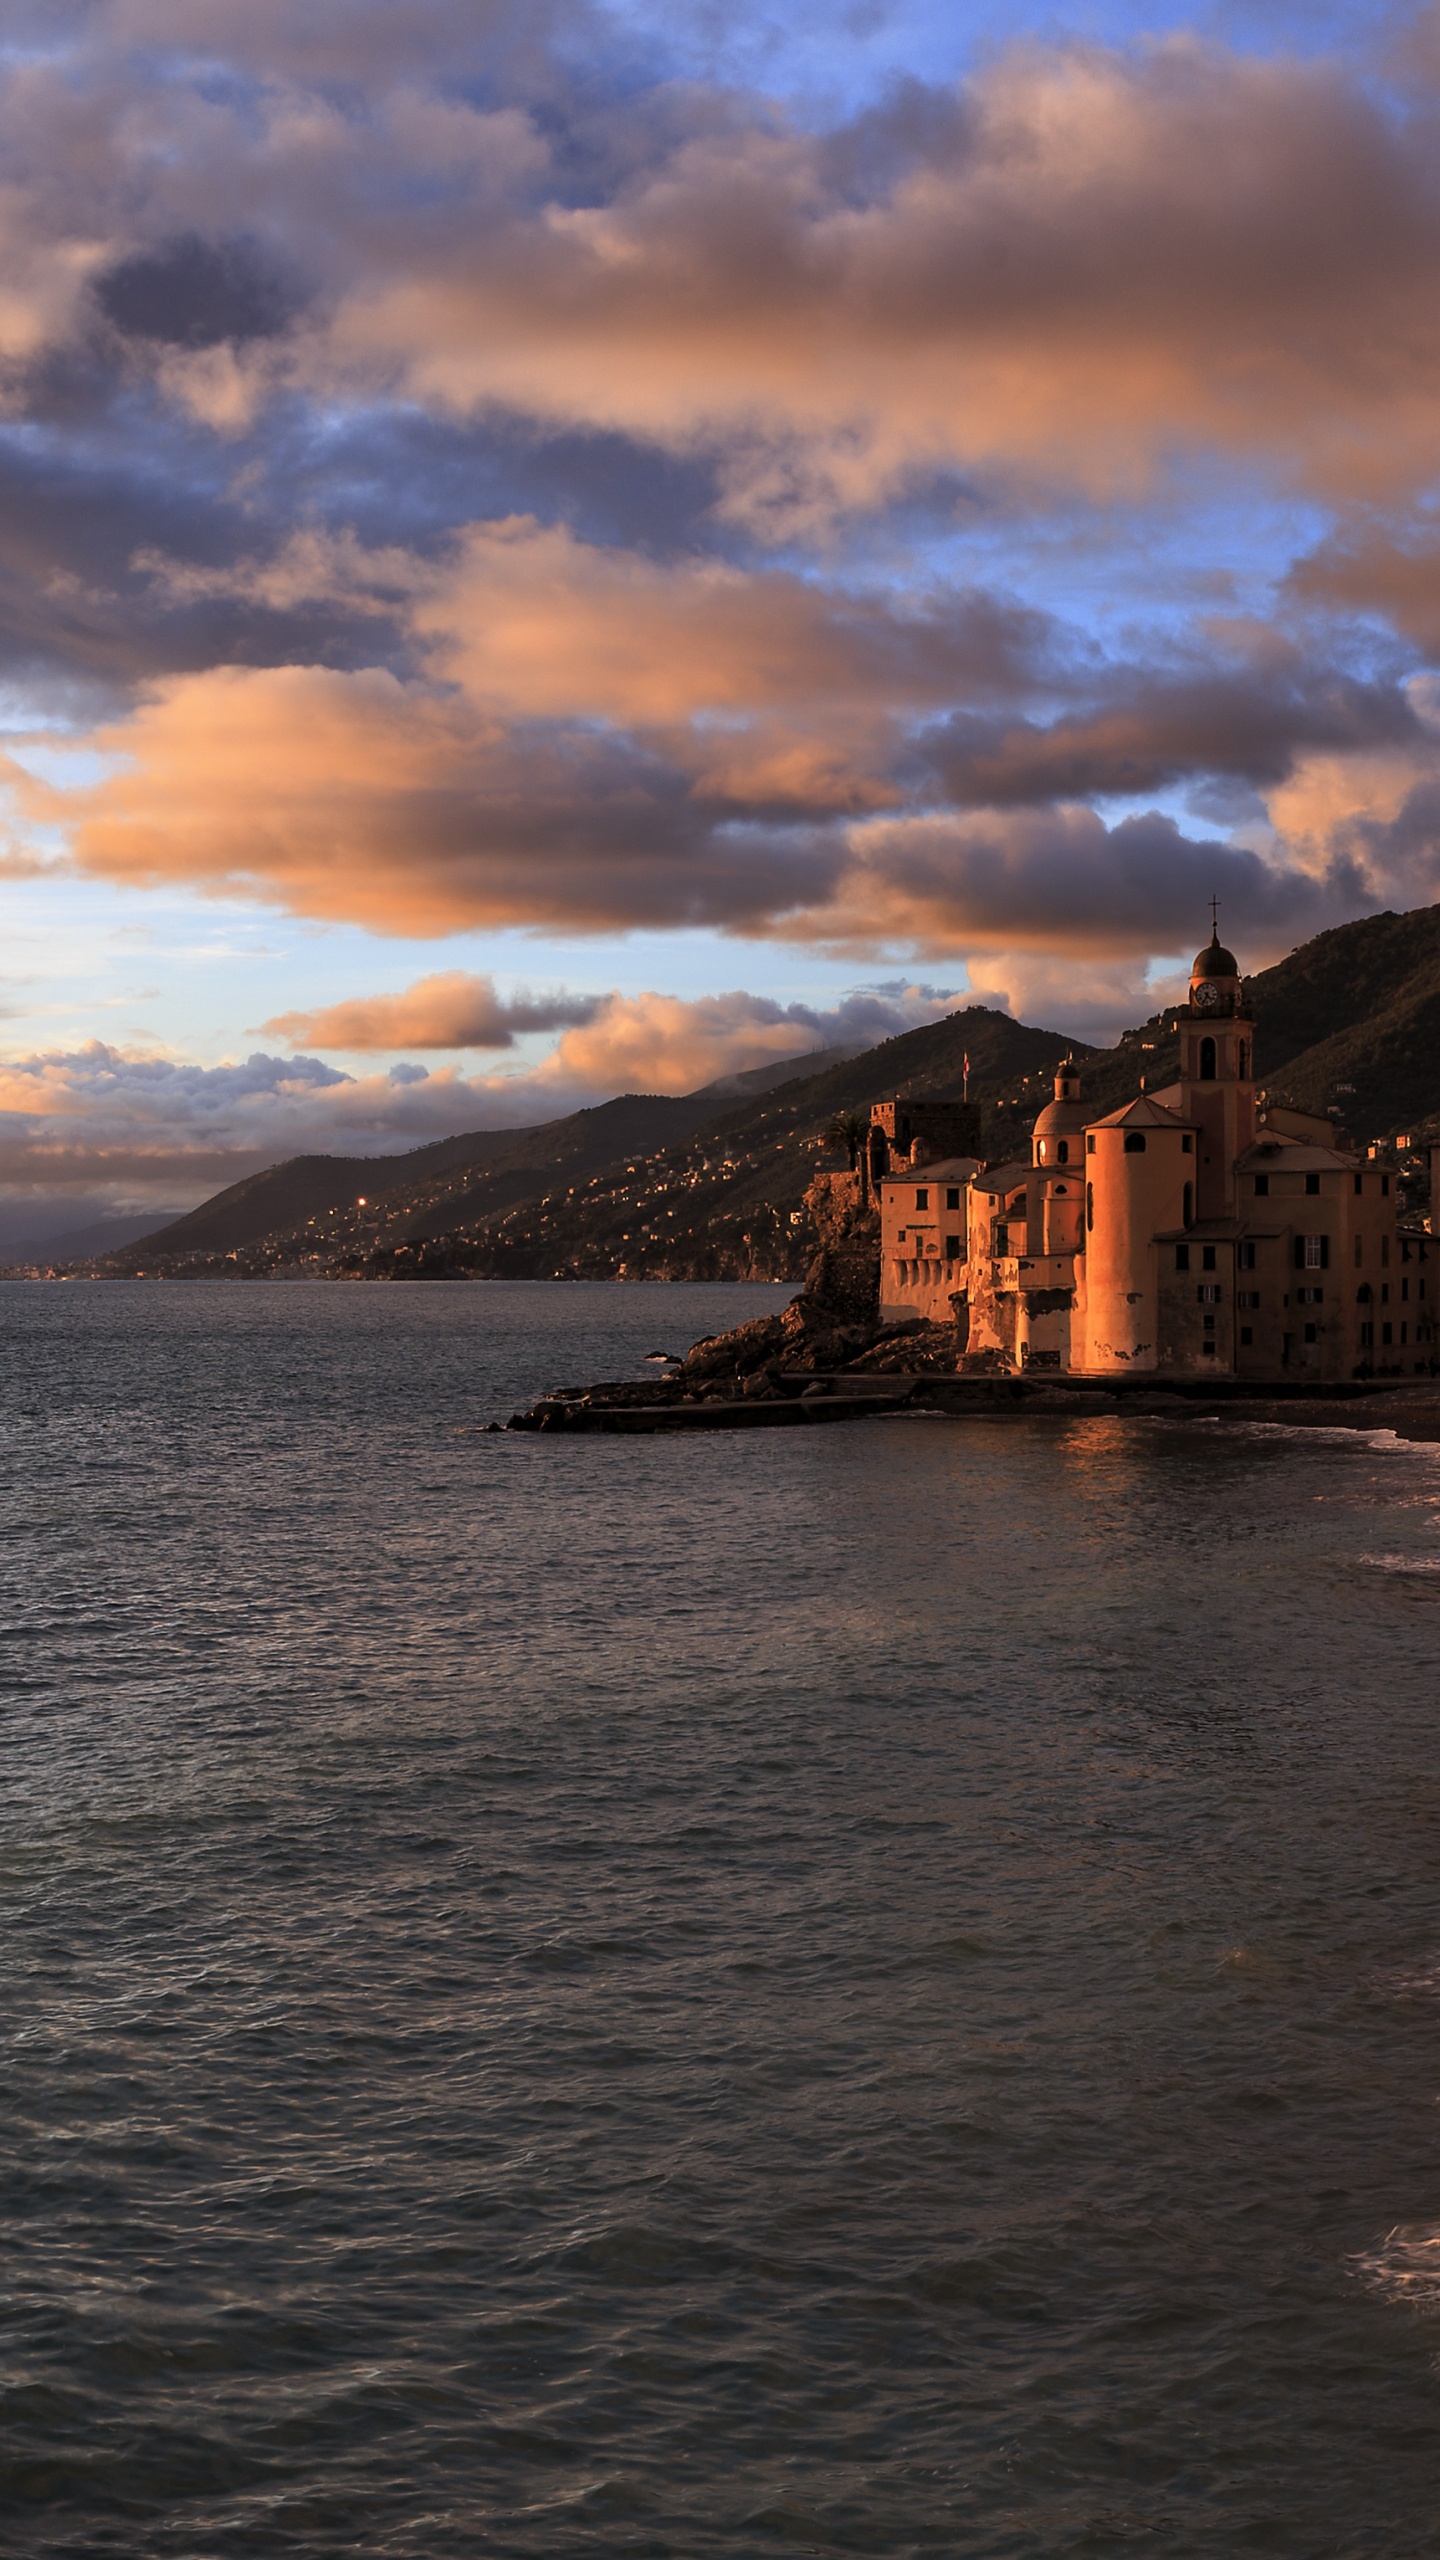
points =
(966, 1064)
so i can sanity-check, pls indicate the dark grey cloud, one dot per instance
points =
(1151, 733)
(194, 292)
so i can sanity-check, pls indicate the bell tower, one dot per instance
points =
(1217, 1074)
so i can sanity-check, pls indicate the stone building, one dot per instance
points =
(1196, 1231)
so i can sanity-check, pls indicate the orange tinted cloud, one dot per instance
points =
(452, 1010)
(1080, 263)
(1106, 257)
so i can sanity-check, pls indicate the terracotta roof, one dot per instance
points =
(1143, 1113)
(942, 1169)
(1295, 1155)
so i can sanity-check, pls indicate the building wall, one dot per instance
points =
(923, 1242)
(1131, 1197)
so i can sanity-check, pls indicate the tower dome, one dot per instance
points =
(1060, 1129)
(1214, 961)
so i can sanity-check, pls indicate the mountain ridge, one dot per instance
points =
(711, 1184)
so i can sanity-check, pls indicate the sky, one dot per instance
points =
(550, 550)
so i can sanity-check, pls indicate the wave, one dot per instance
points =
(1405, 2267)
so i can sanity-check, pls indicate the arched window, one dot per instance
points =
(1207, 1061)
(1090, 1207)
(1060, 1191)
(1187, 1212)
(1134, 1142)
(1063, 1151)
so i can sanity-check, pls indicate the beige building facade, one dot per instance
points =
(1195, 1232)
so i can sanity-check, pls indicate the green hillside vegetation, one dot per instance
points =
(711, 1185)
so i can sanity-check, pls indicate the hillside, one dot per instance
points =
(702, 1184)
(710, 1185)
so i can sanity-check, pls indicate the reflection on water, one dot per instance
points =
(848, 1990)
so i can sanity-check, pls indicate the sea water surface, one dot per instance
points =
(866, 1990)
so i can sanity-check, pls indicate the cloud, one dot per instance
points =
(1061, 880)
(468, 471)
(666, 1044)
(192, 292)
(1252, 724)
(452, 1010)
(1370, 567)
(1083, 261)
(118, 1126)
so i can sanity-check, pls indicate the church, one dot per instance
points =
(1198, 1231)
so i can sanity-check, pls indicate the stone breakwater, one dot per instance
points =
(803, 1397)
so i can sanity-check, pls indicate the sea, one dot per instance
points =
(873, 1989)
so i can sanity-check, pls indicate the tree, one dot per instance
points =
(847, 1130)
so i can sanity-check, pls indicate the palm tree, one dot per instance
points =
(847, 1130)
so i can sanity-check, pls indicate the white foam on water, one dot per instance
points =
(1403, 1564)
(1418, 1982)
(1386, 1441)
(1405, 2267)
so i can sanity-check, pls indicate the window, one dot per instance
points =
(1404, 1290)
(1002, 1237)
(1404, 1248)
(1246, 1337)
(1090, 1203)
(1207, 1257)
(1384, 1293)
(952, 1248)
(1359, 1184)
(1364, 1294)
(1187, 1145)
(922, 1199)
(952, 1199)
(1207, 1061)
(1182, 1257)
(1262, 1186)
(1134, 1142)
(1384, 1186)
(1309, 1297)
(1207, 1295)
(1312, 1185)
(1312, 1253)
(1312, 1333)
(1208, 1348)
(1208, 1321)
(1248, 1298)
(1090, 1145)
(1387, 1335)
(1187, 1206)
(1367, 1337)
(1063, 1151)
(1061, 1193)
(1245, 1257)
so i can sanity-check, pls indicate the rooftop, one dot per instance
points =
(1143, 1113)
(943, 1169)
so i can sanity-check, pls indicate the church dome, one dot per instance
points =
(1064, 1119)
(1215, 961)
